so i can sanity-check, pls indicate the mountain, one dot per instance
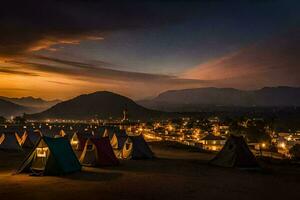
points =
(103, 105)
(196, 99)
(8, 109)
(37, 104)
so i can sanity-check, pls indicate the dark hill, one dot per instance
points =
(193, 99)
(37, 104)
(8, 109)
(103, 105)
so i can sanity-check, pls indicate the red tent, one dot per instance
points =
(98, 152)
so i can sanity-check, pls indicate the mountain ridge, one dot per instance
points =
(36, 103)
(100, 104)
(8, 109)
(213, 96)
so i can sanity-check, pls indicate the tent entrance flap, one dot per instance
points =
(41, 156)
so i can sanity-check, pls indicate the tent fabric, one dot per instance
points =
(62, 133)
(33, 135)
(59, 158)
(114, 142)
(136, 147)
(99, 132)
(235, 153)
(109, 132)
(79, 139)
(26, 142)
(98, 152)
(117, 138)
(8, 141)
(19, 139)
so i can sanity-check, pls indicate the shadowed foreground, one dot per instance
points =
(176, 174)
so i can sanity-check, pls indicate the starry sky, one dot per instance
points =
(60, 49)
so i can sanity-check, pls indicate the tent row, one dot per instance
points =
(55, 156)
(12, 140)
(124, 146)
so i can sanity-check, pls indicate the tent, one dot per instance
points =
(136, 147)
(98, 152)
(29, 139)
(99, 132)
(33, 135)
(235, 153)
(51, 156)
(19, 139)
(8, 141)
(117, 138)
(62, 133)
(78, 140)
(66, 132)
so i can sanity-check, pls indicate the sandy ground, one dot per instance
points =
(175, 174)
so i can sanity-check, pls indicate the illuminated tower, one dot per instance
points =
(125, 115)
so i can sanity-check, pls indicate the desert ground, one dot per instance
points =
(174, 174)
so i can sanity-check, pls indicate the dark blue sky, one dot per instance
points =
(208, 30)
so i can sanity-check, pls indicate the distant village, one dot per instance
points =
(208, 134)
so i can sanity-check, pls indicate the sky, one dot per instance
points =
(61, 49)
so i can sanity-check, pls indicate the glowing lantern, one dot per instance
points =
(74, 142)
(41, 152)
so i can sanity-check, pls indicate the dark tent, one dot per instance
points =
(79, 138)
(33, 135)
(9, 142)
(98, 152)
(51, 156)
(235, 153)
(26, 142)
(136, 147)
(117, 138)
(99, 132)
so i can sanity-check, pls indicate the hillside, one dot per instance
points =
(37, 104)
(103, 105)
(8, 109)
(193, 99)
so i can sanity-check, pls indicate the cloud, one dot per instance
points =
(61, 78)
(268, 63)
(16, 72)
(59, 82)
(34, 25)
(14, 89)
(92, 71)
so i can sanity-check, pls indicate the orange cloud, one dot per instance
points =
(48, 42)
